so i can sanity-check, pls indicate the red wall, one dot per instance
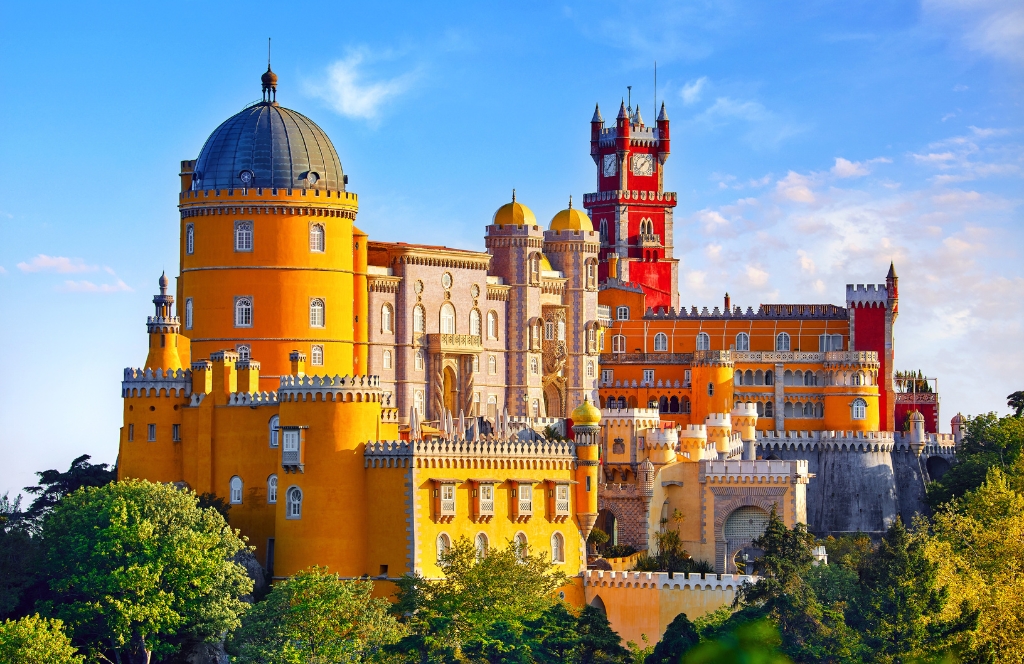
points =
(869, 334)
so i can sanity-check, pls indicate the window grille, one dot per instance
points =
(316, 312)
(243, 236)
(316, 238)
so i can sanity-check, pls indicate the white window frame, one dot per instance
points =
(649, 376)
(619, 343)
(534, 366)
(621, 313)
(661, 342)
(743, 341)
(151, 433)
(703, 341)
(557, 548)
(190, 239)
(188, 313)
(244, 352)
(476, 364)
(386, 359)
(783, 342)
(475, 323)
(447, 319)
(859, 409)
(274, 431)
(293, 503)
(317, 240)
(418, 360)
(243, 311)
(482, 544)
(419, 319)
(561, 330)
(236, 487)
(244, 236)
(387, 319)
(272, 489)
(317, 312)
(316, 355)
(607, 375)
(492, 324)
(443, 544)
(492, 365)
(591, 371)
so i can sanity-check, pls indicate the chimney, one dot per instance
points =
(728, 303)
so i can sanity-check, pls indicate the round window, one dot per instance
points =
(418, 287)
(446, 280)
(475, 290)
(313, 177)
(246, 177)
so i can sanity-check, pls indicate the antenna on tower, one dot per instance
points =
(655, 88)
(629, 98)
(268, 52)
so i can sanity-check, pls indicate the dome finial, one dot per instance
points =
(269, 80)
(163, 283)
(570, 201)
(513, 195)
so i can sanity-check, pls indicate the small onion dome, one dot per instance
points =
(571, 220)
(586, 414)
(958, 419)
(269, 79)
(514, 214)
(164, 283)
(916, 416)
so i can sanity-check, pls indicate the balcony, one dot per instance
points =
(604, 315)
(455, 344)
(646, 358)
(648, 240)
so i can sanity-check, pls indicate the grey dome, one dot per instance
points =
(268, 146)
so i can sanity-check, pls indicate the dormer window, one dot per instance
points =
(483, 500)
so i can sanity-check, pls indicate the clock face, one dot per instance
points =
(610, 165)
(643, 164)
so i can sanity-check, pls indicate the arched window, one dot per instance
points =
(492, 365)
(808, 409)
(536, 408)
(481, 546)
(243, 236)
(236, 490)
(534, 365)
(591, 275)
(419, 319)
(787, 411)
(188, 313)
(738, 378)
(787, 377)
(660, 341)
(476, 364)
(703, 341)
(858, 378)
(622, 313)
(316, 238)
(418, 402)
(272, 489)
(387, 359)
(742, 341)
(243, 312)
(244, 352)
(782, 342)
(748, 377)
(190, 238)
(275, 431)
(316, 355)
(604, 231)
(860, 409)
(819, 410)
(418, 360)
(293, 506)
(663, 404)
(444, 543)
(447, 318)
(769, 409)
(522, 544)
(475, 323)
(591, 371)
(492, 325)
(561, 330)
(673, 405)
(619, 344)
(316, 312)
(557, 548)
(386, 319)
(769, 377)
(534, 269)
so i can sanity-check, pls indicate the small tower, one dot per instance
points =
(163, 331)
(586, 420)
(892, 289)
(957, 424)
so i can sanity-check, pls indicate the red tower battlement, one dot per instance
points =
(631, 209)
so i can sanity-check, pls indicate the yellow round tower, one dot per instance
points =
(163, 328)
(586, 419)
(269, 252)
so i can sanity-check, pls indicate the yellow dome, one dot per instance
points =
(586, 414)
(514, 214)
(571, 220)
(545, 264)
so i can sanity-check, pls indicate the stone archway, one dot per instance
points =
(553, 406)
(451, 390)
(937, 467)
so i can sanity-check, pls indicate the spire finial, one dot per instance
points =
(513, 195)
(570, 201)
(163, 283)
(269, 80)
(268, 53)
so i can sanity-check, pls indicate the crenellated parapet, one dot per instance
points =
(871, 295)
(252, 399)
(831, 441)
(665, 581)
(156, 382)
(760, 471)
(485, 453)
(933, 444)
(326, 388)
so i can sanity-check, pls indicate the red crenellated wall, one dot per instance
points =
(869, 334)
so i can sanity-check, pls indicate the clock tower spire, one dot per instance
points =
(630, 206)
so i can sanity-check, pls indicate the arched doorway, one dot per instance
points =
(741, 528)
(937, 467)
(451, 391)
(607, 522)
(553, 402)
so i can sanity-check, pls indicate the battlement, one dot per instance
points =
(518, 230)
(261, 194)
(485, 453)
(693, 431)
(156, 382)
(252, 399)
(664, 580)
(870, 295)
(629, 414)
(765, 311)
(721, 419)
(832, 441)
(742, 471)
(744, 409)
(326, 388)
(935, 444)
(570, 235)
(613, 196)
(617, 490)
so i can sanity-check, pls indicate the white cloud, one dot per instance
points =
(712, 219)
(960, 88)
(3, 270)
(982, 132)
(992, 27)
(765, 127)
(845, 168)
(60, 264)
(691, 91)
(346, 90)
(806, 262)
(90, 287)
(756, 276)
(795, 187)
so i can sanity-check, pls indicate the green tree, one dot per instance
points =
(35, 640)
(18, 553)
(1015, 401)
(316, 616)
(598, 642)
(552, 635)
(133, 563)
(53, 485)
(988, 441)
(512, 585)
(900, 599)
(679, 638)
(754, 642)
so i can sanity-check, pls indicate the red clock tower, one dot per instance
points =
(631, 208)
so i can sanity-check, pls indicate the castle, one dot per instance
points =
(361, 404)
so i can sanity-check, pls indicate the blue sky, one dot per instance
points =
(812, 143)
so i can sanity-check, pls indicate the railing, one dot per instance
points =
(526, 507)
(290, 458)
(646, 358)
(604, 314)
(487, 507)
(448, 508)
(773, 356)
(561, 507)
(454, 343)
(649, 240)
